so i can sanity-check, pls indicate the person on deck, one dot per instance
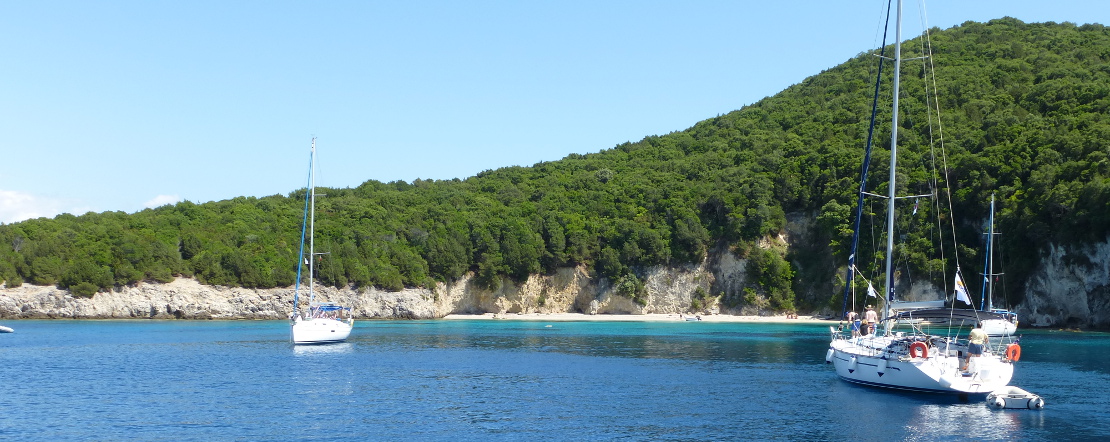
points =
(872, 319)
(975, 342)
(854, 324)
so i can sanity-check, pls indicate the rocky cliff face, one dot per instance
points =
(186, 298)
(669, 290)
(1071, 288)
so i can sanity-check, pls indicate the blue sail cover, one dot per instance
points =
(329, 307)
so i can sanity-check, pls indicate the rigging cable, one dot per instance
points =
(943, 151)
(928, 48)
(304, 227)
(863, 174)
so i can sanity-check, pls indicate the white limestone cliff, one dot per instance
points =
(1070, 288)
(668, 290)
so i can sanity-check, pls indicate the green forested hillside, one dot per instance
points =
(1024, 113)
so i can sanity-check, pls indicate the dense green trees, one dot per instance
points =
(1024, 114)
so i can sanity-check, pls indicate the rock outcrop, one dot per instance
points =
(1071, 288)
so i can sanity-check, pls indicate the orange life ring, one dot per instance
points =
(1013, 352)
(919, 347)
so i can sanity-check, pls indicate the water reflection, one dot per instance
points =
(741, 343)
(973, 420)
(323, 349)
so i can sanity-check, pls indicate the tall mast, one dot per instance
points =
(987, 303)
(893, 166)
(312, 222)
(990, 295)
(849, 286)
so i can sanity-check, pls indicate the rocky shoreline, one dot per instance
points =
(569, 290)
(186, 298)
(1061, 293)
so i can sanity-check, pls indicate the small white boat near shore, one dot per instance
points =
(1014, 397)
(4, 329)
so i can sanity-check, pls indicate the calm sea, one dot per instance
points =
(503, 380)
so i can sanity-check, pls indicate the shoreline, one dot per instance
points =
(555, 317)
(653, 317)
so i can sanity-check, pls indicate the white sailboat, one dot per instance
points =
(909, 360)
(1003, 322)
(324, 322)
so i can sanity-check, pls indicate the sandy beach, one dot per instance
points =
(634, 318)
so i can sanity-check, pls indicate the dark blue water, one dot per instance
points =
(503, 380)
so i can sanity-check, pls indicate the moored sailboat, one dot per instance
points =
(993, 321)
(908, 360)
(324, 322)
(1002, 322)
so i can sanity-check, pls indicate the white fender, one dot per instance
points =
(828, 356)
(881, 367)
(852, 363)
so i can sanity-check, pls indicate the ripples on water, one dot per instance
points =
(507, 380)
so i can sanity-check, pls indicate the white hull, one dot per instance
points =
(885, 362)
(320, 330)
(998, 327)
(4, 329)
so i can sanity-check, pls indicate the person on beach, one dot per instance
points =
(975, 342)
(872, 319)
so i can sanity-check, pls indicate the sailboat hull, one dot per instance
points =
(998, 327)
(865, 361)
(319, 331)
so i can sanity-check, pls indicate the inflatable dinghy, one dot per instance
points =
(1014, 397)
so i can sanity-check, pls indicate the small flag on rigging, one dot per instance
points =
(871, 291)
(961, 290)
(916, 201)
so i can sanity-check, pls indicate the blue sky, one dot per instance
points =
(121, 105)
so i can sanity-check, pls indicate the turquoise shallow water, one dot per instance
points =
(503, 380)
